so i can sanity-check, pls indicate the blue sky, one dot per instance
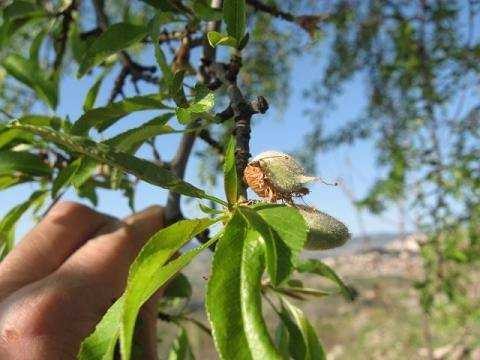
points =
(353, 166)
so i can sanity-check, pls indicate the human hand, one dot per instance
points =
(59, 281)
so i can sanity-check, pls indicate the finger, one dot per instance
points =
(65, 228)
(102, 263)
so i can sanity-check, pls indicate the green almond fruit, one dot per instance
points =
(325, 232)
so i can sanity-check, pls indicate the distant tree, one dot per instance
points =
(210, 65)
(419, 63)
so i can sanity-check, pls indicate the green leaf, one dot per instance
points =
(281, 340)
(88, 191)
(206, 12)
(28, 73)
(181, 349)
(230, 173)
(11, 218)
(7, 136)
(117, 37)
(216, 39)
(22, 9)
(289, 232)
(270, 240)
(314, 266)
(149, 272)
(295, 346)
(183, 115)
(143, 169)
(8, 244)
(208, 210)
(129, 141)
(65, 176)
(92, 93)
(7, 181)
(287, 222)
(79, 47)
(42, 120)
(101, 343)
(159, 55)
(179, 287)
(233, 295)
(201, 105)
(223, 302)
(104, 117)
(299, 292)
(234, 14)
(84, 171)
(36, 45)
(175, 89)
(163, 5)
(259, 341)
(24, 162)
(300, 330)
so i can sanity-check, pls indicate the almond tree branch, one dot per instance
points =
(179, 162)
(205, 135)
(63, 36)
(309, 23)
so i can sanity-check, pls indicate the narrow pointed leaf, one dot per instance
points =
(223, 293)
(92, 93)
(8, 136)
(143, 169)
(181, 349)
(101, 343)
(159, 55)
(103, 117)
(270, 241)
(297, 319)
(24, 162)
(149, 272)
(130, 140)
(28, 73)
(19, 9)
(117, 37)
(65, 176)
(314, 266)
(233, 295)
(230, 173)
(11, 218)
(206, 12)
(252, 266)
(289, 232)
(287, 222)
(234, 14)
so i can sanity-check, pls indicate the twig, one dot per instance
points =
(178, 166)
(205, 135)
(130, 67)
(62, 39)
(118, 85)
(242, 111)
(52, 204)
(271, 9)
(309, 23)
(7, 114)
(175, 318)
